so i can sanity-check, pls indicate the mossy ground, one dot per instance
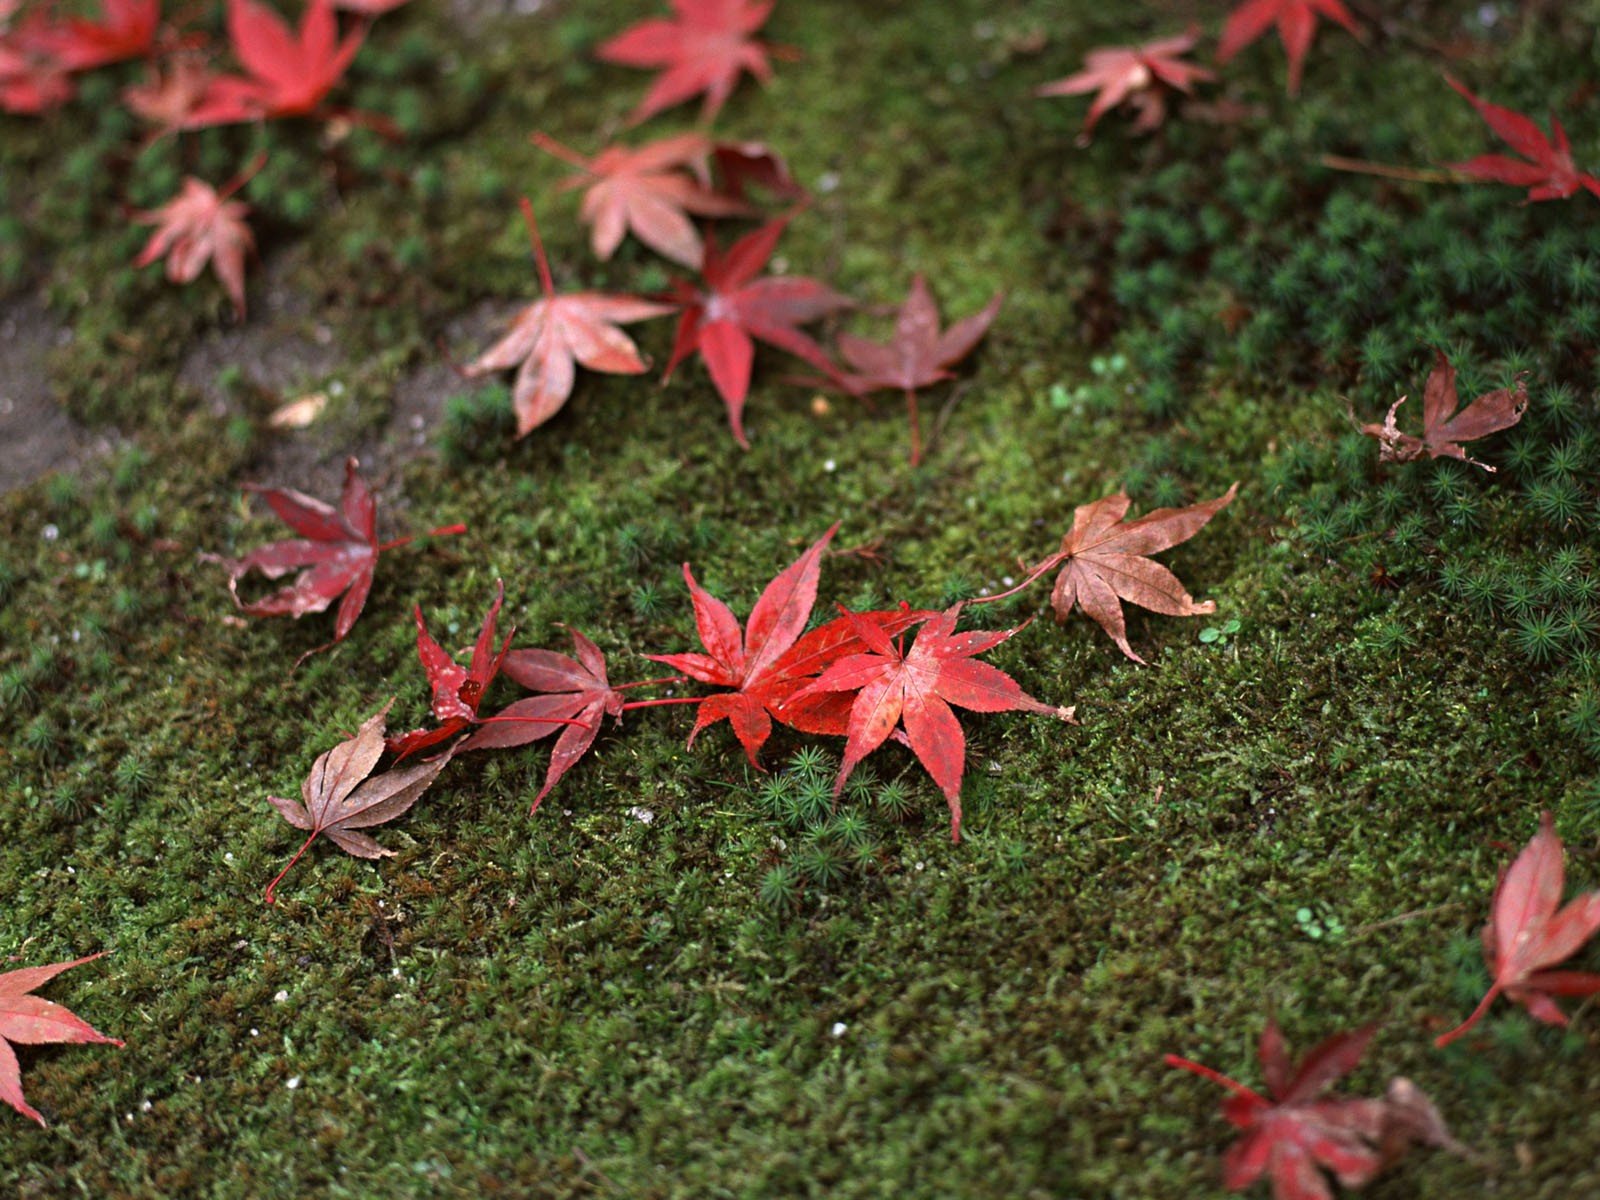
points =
(589, 1004)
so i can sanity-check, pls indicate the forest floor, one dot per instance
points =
(675, 980)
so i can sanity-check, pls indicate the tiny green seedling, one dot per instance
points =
(1218, 635)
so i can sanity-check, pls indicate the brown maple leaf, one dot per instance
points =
(342, 797)
(27, 1020)
(550, 336)
(650, 191)
(1443, 428)
(1104, 561)
(1529, 932)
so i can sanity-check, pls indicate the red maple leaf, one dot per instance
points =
(1141, 75)
(1443, 428)
(650, 192)
(741, 165)
(550, 336)
(289, 74)
(918, 355)
(336, 553)
(31, 80)
(704, 48)
(27, 1020)
(573, 689)
(751, 660)
(916, 688)
(170, 97)
(457, 690)
(1529, 932)
(126, 30)
(1297, 26)
(1301, 1131)
(1549, 173)
(368, 8)
(201, 225)
(341, 796)
(721, 319)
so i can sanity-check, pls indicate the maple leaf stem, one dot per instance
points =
(289, 866)
(916, 427)
(1444, 1039)
(565, 153)
(251, 170)
(662, 682)
(1044, 568)
(632, 704)
(545, 281)
(442, 531)
(1216, 1077)
(500, 719)
(1360, 166)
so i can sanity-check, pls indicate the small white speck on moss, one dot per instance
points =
(838, 1029)
(280, 997)
(293, 1084)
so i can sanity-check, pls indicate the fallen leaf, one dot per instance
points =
(26, 1020)
(341, 796)
(1443, 428)
(288, 74)
(457, 690)
(918, 355)
(126, 29)
(1529, 932)
(723, 319)
(1297, 27)
(703, 48)
(894, 687)
(550, 336)
(298, 414)
(198, 226)
(1549, 173)
(650, 192)
(1141, 75)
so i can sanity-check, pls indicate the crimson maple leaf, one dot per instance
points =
(126, 30)
(916, 688)
(1297, 26)
(336, 553)
(1529, 932)
(1549, 173)
(918, 355)
(31, 80)
(703, 48)
(649, 192)
(721, 319)
(201, 225)
(368, 8)
(550, 336)
(340, 800)
(289, 73)
(741, 165)
(1104, 561)
(26, 1020)
(572, 689)
(750, 660)
(1443, 428)
(457, 690)
(169, 98)
(1302, 1131)
(1140, 75)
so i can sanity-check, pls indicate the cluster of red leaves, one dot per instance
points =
(1298, 1130)
(26, 1020)
(1549, 172)
(1443, 428)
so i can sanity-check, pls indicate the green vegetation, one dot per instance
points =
(752, 992)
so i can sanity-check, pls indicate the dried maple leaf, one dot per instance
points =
(1302, 1131)
(574, 689)
(335, 554)
(1104, 561)
(342, 797)
(1140, 75)
(894, 687)
(289, 74)
(734, 308)
(650, 191)
(703, 48)
(750, 660)
(1549, 173)
(1443, 428)
(27, 1020)
(918, 355)
(741, 165)
(550, 336)
(127, 29)
(457, 690)
(1297, 26)
(1529, 932)
(201, 225)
